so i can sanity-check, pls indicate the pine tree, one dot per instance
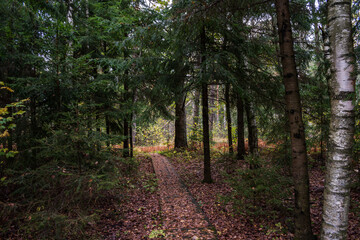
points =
(297, 129)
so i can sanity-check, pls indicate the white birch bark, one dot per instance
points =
(70, 18)
(342, 92)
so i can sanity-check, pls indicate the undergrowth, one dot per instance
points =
(181, 155)
(259, 190)
(54, 187)
(56, 200)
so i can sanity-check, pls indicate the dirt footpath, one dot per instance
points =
(182, 216)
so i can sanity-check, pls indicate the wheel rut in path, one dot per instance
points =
(182, 216)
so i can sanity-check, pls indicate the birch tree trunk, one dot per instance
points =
(297, 130)
(342, 92)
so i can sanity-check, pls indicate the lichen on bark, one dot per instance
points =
(341, 139)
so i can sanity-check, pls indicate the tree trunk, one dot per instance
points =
(132, 127)
(126, 121)
(212, 96)
(107, 125)
(297, 130)
(223, 119)
(57, 79)
(97, 120)
(228, 117)
(196, 108)
(205, 111)
(126, 139)
(341, 141)
(252, 128)
(133, 119)
(240, 128)
(217, 115)
(126, 102)
(70, 18)
(180, 122)
(131, 139)
(196, 117)
(206, 137)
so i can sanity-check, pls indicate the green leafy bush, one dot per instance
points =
(8, 113)
(156, 134)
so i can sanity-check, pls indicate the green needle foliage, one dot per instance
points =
(99, 74)
(264, 190)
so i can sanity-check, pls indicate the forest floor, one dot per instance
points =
(166, 199)
(163, 197)
(275, 224)
(138, 216)
(175, 204)
(182, 215)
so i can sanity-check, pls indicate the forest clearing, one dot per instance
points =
(160, 119)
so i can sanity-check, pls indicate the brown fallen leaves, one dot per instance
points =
(141, 217)
(237, 226)
(182, 217)
(138, 214)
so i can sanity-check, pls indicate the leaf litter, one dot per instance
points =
(162, 209)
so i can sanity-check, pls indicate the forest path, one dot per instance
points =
(182, 215)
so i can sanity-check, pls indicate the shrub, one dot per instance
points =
(8, 113)
(57, 196)
(53, 201)
(258, 190)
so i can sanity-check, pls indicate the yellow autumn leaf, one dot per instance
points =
(5, 134)
(3, 111)
(7, 88)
